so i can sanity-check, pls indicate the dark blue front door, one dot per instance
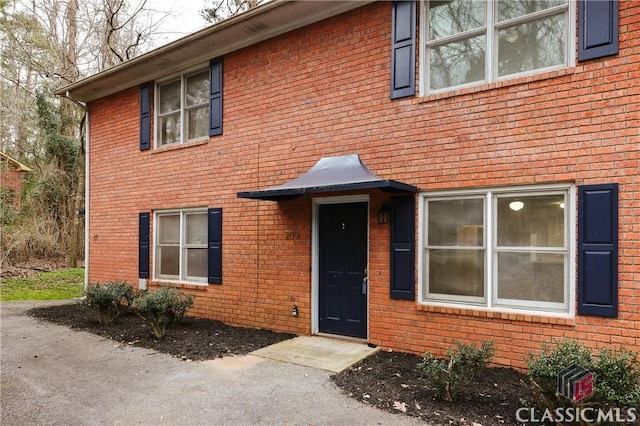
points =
(342, 280)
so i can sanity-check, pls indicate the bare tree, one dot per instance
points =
(223, 9)
(45, 44)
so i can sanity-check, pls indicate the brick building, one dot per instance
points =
(11, 171)
(407, 173)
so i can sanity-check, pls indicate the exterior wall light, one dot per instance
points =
(383, 214)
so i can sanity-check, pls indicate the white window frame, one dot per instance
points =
(490, 301)
(490, 30)
(183, 107)
(181, 277)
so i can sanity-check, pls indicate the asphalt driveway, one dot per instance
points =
(51, 375)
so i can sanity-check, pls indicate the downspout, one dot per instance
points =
(86, 186)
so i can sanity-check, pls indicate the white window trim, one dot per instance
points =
(488, 304)
(156, 223)
(491, 44)
(156, 121)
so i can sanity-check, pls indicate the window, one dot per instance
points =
(183, 109)
(505, 248)
(470, 42)
(181, 245)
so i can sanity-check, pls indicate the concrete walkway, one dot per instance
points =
(51, 375)
(325, 353)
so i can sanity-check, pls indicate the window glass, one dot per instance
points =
(198, 89)
(170, 97)
(457, 63)
(169, 260)
(449, 17)
(456, 272)
(456, 222)
(516, 8)
(531, 221)
(170, 129)
(531, 276)
(196, 228)
(198, 122)
(169, 227)
(196, 262)
(532, 45)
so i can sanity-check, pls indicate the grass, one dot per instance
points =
(62, 284)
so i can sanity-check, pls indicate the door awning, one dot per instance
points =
(343, 173)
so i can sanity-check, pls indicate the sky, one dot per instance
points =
(184, 18)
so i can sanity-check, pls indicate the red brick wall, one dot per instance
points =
(324, 91)
(11, 179)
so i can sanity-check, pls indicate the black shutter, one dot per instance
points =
(598, 250)
(597, 28)
(215, 97)
(402, 247)
(403, 49)
(143, 245)
(145, 116)
(215, 245)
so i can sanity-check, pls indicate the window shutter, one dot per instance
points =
(597, 28)
(145, 116)
(403, 49)
(598, 250)
(143, 245)
(215, 97)
(215, 245)
(402, 247)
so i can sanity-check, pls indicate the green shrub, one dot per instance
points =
(617, 378)
(616, 375)
(108, 300)
(449, 377)
(163, 307)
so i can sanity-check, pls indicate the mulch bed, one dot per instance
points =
(391, 381)
(387, 380)
(193, 339)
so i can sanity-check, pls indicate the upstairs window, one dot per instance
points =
(183, 109)
(470, 42)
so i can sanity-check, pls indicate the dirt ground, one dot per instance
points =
(387, 380)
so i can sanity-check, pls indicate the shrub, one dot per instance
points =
(108, 300)
(616, 375)
(449, 377)
(163, 307)
(617, 378)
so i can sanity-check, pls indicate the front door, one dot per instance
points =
(342, 281)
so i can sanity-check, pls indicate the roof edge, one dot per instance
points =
(213, 41)
(21, 167)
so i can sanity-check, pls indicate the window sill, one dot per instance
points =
(175, 146)
(497, 84)
(183, 286)
(510, 316)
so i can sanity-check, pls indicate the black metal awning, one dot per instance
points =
(343, 173)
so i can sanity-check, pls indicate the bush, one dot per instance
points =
(616, 375)
(450, 377)
(162, 307)
(108, 300)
